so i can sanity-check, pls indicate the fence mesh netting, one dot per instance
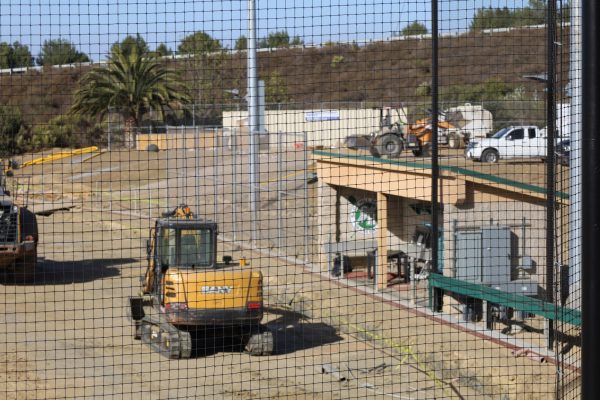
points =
(304, 200)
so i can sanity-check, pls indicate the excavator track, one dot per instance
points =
(165, 338)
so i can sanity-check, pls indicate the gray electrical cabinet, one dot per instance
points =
(496, 257)
(484, 255)
(467, 259)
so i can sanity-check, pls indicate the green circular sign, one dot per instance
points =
(363, 215)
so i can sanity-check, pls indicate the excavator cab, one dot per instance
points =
(187, 245)
(182, 244)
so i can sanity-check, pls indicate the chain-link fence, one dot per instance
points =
(249, 200)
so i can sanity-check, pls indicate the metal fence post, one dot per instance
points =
(253, 120)
(216, 173)
(375, 270)
(590, 282)
(575, 170)
(434, 150)
(550, 170)
(235, 183)
(305, 208)
(196, 174)
(279, 207)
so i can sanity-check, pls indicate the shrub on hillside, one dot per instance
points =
(12, 129)
(414, 28)
(66, 131)
(336, 60)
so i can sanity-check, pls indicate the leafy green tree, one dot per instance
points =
(130, 85)
(130, 43)
(21, 55)
(162, 50)
(241, 43)
(275, 39)
(198, 43)
(60, 51)
(15, 55)
(296, 41)
(276, 88)
(491, 18)
(533, 14)
(414, 28)
(5, 55)
(11, 127)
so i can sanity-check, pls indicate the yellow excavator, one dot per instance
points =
(186, 289)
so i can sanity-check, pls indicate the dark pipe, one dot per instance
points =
(550, 170)
(438, 294)
(590, 265)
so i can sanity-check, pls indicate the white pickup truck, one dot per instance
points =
(511, 142)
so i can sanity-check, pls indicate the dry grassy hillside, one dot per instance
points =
(380, 72)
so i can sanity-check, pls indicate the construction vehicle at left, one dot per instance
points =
(18, 235)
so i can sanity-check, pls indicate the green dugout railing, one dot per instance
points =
(514, 301)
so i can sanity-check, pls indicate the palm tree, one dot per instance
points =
(132, 83)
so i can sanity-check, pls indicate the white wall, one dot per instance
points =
(293, 123)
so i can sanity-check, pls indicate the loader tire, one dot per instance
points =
(389, 145)
(260, 342)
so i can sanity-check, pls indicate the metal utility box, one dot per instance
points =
(484, 255)
(467, 256)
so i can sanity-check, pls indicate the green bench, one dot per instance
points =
(515, 301)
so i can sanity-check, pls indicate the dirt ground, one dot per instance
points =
(65, 334)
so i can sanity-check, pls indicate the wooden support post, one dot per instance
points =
(382, 240)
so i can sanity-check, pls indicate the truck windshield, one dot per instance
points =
(187, 248)
(500, 133)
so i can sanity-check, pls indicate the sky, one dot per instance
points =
(94, 25)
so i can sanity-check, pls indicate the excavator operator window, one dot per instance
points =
(196, 248)
(187, 248)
